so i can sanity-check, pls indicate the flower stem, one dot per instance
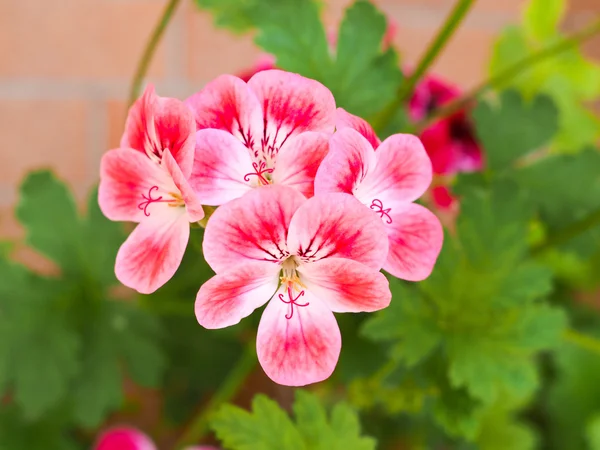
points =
(583, 341)
(461, 8)
(509, 73)
(566, 234)
(227, 390)
(146, 58)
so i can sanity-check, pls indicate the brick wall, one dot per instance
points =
(66, 67)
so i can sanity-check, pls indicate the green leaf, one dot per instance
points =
(568, 78)
(47, 211)
(121, 334)
(573, 400)
(34, 340)
(593, 433)
(341, 433)
(501, 429)
(362, 76)
(542, 17)
(65, 328)
(268, 427)
(514, 128)
(481, 306)
(81, 247)
(550, 185)
(50, 433)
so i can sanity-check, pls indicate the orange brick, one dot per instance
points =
(212, 52)
(76, 38)
(39, 134)
(584, 5)
(116, 111)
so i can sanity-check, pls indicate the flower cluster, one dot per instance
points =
(307, 195)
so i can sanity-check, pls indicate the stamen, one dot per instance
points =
(292, 301)
(377, 206)
(149, 200)
(259, 170)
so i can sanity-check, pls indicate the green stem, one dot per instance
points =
(584, 341)
(509, 73)
(142, 67)
(227, 390)
(566, 234)
(407, 87)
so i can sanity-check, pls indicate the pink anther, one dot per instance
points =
(259, 169)
(377, 206)
(149, 200)
(292, 301)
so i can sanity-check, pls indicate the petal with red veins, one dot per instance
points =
(190, 198)
(222, 167)
(298, 161)
(345, 285)
(127, 179)
(292, 104)
(227, 103)
(416, 237)
(346, 120)
(153, 251)
(227, 298)
(402, 174)
(303, 349)
(337, 226)
(124, 438)
(251, 228)
(350, 159)
(157, 123)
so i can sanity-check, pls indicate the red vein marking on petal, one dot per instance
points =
(148, 200)
(292, 301)
(259, 169)
(377, 206)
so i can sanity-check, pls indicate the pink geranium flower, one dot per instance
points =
(310, 257)
(450, 142)
(129, 438)
(272, 130)
(146, 181)
(386, 177)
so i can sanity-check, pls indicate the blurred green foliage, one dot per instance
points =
(478, 356)
(571, 80)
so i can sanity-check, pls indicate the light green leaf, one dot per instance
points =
(542, 17)
(268, 427)
(514, 128)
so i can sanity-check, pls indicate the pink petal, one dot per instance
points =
(153, 251)
(348, 162)
(291, 105)
(346, 120)
(416, 237)
(251, 228)
(300, 350)
(157, 123)
(126, 177)
(123, 438)
(402, 174)
(345, 285)
(220, 165)
(193, 206)
(264, 62)
(299, 159)
(227, 298)
(228, 104)
(337, 226)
